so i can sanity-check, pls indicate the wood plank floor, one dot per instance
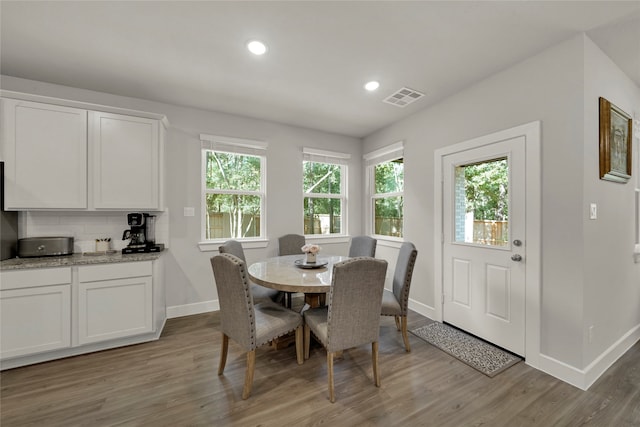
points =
(173, 382)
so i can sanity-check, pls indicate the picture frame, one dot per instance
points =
(615, 143)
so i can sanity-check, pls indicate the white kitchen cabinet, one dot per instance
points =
(35, 311)
(44, 147)
(114, 301)
(125, 153)
(62, 157)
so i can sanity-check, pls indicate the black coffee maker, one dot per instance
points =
(141, 234)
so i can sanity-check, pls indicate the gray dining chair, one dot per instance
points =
(259, 292)
(352, 315)
(396, 302)
(248, 324)
(290, 244)
(363, 246)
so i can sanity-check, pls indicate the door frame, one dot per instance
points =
(533, 213)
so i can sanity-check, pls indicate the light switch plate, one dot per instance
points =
(593, 211)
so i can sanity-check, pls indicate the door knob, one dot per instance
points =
(516, 257)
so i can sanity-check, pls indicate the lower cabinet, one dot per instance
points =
(114, 301)
(35, 319)
(49, 313)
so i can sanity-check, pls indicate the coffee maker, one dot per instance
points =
(142, 234)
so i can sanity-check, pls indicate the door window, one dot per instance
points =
(482, 203)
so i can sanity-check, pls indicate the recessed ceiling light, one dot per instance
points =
(257, 47)
(372, 85)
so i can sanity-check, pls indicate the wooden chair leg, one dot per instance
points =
(248, 377)
(374, 361)
(397, 319)
(299, 344)
(223, 353)
(307, 341)
(332, 396)
(405, 334)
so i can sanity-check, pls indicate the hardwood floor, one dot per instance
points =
(174, 382)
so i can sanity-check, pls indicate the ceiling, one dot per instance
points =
(320, 53)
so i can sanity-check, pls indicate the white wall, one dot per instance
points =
(612, 279)
(190, 286)
(548, 87)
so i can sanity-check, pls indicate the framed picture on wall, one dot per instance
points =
(615, 143)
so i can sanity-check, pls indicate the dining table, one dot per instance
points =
(292, 273)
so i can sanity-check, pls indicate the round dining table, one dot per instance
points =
(291, 273)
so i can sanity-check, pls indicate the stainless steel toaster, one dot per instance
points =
(45, 246)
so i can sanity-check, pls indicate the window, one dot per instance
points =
(482, 203)
(324, 188)
(385, 169)
(233, 188)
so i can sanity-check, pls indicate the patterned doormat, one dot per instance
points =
(473, 351)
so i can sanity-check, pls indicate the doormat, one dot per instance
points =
(473, 351)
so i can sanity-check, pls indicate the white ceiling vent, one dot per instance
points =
(403, 97)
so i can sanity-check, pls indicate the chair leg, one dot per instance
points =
(405, 334)
(248, 377)
(299, 344)
(332, 396)
(374, 361)
(397, 319)
(307, 341)
(223, 353)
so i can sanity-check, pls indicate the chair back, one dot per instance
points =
(363, 246)
(232, 247)
(237, 315)
(291, 244)
(403, 274)
(354, 302)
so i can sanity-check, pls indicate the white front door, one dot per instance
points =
(484, 241)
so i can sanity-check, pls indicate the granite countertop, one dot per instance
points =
(75, 259)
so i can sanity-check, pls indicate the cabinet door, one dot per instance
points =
(125, 155)
(114, 309)
(34, 320)
(45, 151)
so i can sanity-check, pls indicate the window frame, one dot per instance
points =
(383, 155)
(332, 158)
(242, 147)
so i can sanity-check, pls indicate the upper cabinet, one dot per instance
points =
(45, 150)
(66, 158)
(124, 153)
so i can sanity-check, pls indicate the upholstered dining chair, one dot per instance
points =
(396, 302)
(363, 246)
(352, 315)
(248, 324)
(290, 244)
(234, 247)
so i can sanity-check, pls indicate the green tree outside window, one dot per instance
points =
(388, 198)
(323, 195)
(233, 195)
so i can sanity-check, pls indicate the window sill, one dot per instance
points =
(320, 238)
(213, 245)
(388, 241)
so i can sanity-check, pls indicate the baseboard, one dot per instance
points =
(584, 378)
(609, 357)
(190, 309)
(422, 309)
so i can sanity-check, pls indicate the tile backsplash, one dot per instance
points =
(86, 227)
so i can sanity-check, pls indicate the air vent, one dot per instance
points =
(403, 97)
